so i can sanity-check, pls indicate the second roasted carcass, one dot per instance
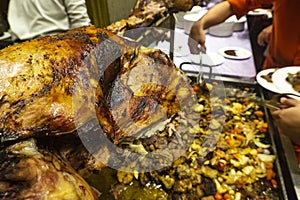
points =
(27, 172)
(146, 12)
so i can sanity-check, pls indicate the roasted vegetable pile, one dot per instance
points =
(230, 155)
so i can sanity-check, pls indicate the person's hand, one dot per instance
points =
(215, 15)
(287, 119)
(264, 36)
(196, 37)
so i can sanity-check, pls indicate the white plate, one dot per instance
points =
(240, 53)
(279, 79)
(209, 59)
(264, 83)
(5, 36)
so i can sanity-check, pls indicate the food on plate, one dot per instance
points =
(268, 76)
(230, 52)
(294, 80)
(235, 53)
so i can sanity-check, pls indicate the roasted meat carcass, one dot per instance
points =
(70, 83)
(53, 85)
(45, 80)
(171, 5)
(82, 83)
(27, 172)
(146, 12)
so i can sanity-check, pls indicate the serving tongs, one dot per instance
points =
(274, 102)
(200, 77)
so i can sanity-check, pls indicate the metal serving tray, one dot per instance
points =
(288, 172)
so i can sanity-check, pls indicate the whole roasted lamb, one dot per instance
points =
(56, 90)
(55, 84)
(71, 82)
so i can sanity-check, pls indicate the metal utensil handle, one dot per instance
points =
(288, 95)
(200, 73)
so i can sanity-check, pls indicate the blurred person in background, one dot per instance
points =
(284, 42)
(264, 36)
(29, 19)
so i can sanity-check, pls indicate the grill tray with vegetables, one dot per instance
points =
(232, 154)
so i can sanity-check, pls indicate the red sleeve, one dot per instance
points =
(242, 7)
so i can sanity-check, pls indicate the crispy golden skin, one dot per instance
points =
(56, 84)
(52, 84)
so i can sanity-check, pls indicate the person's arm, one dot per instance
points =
(77, 13)
(287, 119)
(216, 15)
(264, 36)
